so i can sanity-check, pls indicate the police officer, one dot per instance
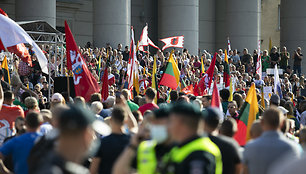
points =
(193, 154)
(147, 156)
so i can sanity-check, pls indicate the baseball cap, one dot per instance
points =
(57, 97)
(78, 118)
(284, 110)
(46, 113)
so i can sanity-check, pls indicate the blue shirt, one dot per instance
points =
(272, 146)
(20, 147)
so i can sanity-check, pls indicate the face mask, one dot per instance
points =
(159, 133)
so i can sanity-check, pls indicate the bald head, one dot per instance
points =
(272, 119)
(256, 130)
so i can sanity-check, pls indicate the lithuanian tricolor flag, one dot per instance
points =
(231, 91)
(248, 114)
(171, 76)
(6, 71)
(202, 66)
(226, 73)
(154, 82)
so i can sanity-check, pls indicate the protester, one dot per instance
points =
(272, 145)
(256, 130)
(231, 157)
(8, 115)
(112, 145)
(149, 98)
(297, 57)
(46, 126)
(20, 147)
(77, 128)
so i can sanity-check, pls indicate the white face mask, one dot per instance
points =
(159, 133)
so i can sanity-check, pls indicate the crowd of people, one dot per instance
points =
(153, 131)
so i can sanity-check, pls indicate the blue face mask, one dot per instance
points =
(159, 133)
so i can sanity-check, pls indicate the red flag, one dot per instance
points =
(84, 82)
(20, 50)
(195, 90)
(104, 91)
(215, 98)
(206, 80)
(188, 89)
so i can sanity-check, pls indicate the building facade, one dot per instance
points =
(206, 24)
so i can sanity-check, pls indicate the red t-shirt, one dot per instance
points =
(10, 113)
(148, 106)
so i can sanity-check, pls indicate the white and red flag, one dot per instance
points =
(145, 40)
(84, 82)
(132, 61)
(228, 44)
(258, 64)
(205, 82)
(12, 35)
(175, 41)
(111, 79)
(20, 50)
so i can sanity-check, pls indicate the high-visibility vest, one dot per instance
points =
(177, 155)
(146, 157)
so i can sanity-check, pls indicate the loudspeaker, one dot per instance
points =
(60, 85)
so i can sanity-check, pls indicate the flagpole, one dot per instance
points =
(62, 55)
(68, 86)
(148, 48)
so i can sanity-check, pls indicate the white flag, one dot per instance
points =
(277, 85)
(12, 34)
(258, 64)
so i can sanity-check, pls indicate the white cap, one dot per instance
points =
(57, 97)
(284, 110)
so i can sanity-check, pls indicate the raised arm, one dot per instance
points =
(1, 96)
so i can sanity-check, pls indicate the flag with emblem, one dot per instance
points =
(175, 41)
(84, 82)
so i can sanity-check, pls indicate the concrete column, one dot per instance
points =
(180, 17)
(30, 10)
(221, 29)
(207, 25)
(293, 27)
(112, 22)
(243, 23)
(145, 12)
